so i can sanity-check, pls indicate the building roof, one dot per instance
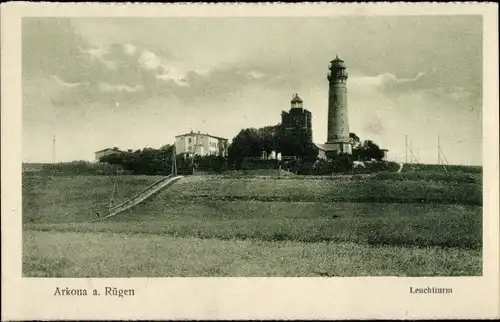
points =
(338, 62)
(296, 99)
(320, 146)
(324, 147)
(198, 133)
(337, 59)
(108, 149)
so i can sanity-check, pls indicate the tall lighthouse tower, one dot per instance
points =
(338, 121)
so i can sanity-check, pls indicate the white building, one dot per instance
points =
(200, 144)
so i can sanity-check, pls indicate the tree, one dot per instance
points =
(355, 140)
(267, 137)
(245, 144)
(296, 142)
(252, 142)
(114, 158)
(146, 161)
(368, 150)
(166, 147)
(365, 151)
(210, 163)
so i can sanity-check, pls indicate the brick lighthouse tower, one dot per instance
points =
(338, 122)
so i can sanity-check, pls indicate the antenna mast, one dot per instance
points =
(406, 148)
(412, 155)
(411, 152)
(174, 162)
(442, 157)
(113, 193)
(438, 154)
(409, 148)
(54, 149)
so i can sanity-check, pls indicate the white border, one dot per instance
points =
(242, 298)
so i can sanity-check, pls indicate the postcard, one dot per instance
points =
(250, 161)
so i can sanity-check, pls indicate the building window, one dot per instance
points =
(189, 140)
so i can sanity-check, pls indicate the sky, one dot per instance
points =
(138, 82)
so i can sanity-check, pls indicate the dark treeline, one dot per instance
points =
(159, 162)
(365, 151)
(243, 153)
(253, 142)
(74, 168)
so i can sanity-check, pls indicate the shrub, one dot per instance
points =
(306, 168)
(375, 167)
(436, 168)
(323, 167)
(457, 177)
(82, 168)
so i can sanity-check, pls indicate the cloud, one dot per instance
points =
(109, 88)
(149, 60)
(95, 53)
(98, 55)
(62, 83)
(129, 49)
(91, 72)
(386, 82)
(453, 93)
(255, 74)
(390, 79)
(174, 73)
(176, 79)
(51, 47)
(423, 85)
(94, 72)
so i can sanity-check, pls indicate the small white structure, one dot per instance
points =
(358, 164)
(371, 161)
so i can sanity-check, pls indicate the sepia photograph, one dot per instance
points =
(249, 162)
(289, 146)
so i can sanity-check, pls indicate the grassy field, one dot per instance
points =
(364, 189)
(33, 166)
(366, 223)
(121, 255)
(436, 168)
(222, 226)
(75, 198)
